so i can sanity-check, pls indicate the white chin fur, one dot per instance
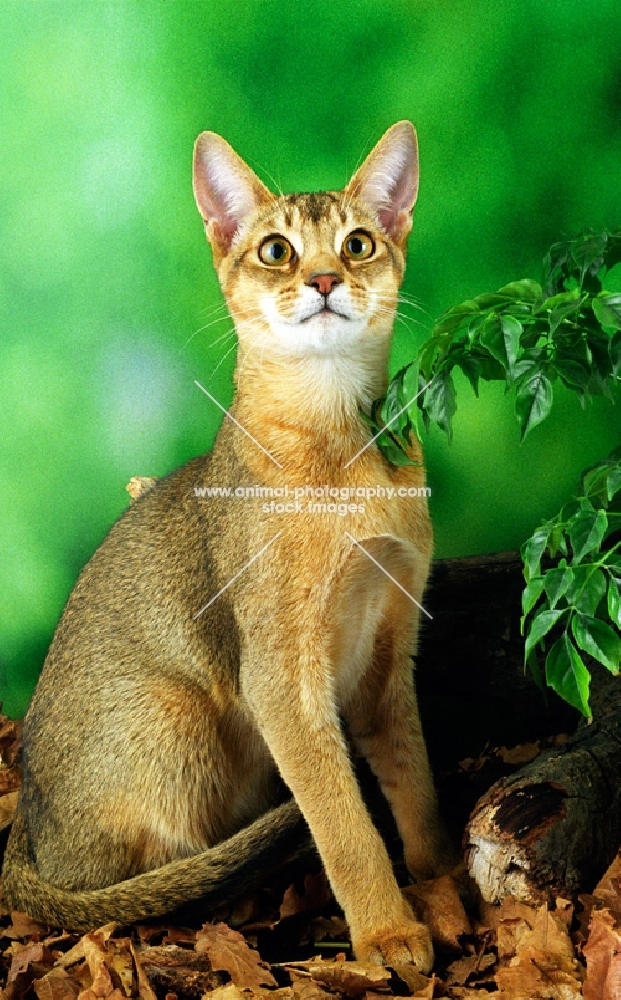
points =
(326, 334)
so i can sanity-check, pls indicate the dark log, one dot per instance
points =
(553, 827)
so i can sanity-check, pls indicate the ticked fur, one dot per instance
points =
(156, 732)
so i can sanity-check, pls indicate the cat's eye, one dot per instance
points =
(359, 245)
(276, 251)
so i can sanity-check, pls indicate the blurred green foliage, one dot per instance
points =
(105, 280)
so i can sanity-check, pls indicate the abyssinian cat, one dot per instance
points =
(213, 644)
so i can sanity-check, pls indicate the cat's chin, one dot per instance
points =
(323, 335)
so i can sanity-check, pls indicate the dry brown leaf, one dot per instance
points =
(121, 963)
(550, 935)
(426, 993)
(530, 978)
(305, 988)
(8, 805)
(171, 969)
(608, 889)
(456, 992)
(413, 979)
(72, 957)
(603, 958)
(145, 990)
(228, 951)
(34, 955)
(23, 926)
(332, 928)
(56, 985)
(460, 971)
(438, 905)
(95, 955)
(317, 895)
(180, 935)
(352, 978)
(10, 741)
(521, 754)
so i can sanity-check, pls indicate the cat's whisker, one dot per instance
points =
(223, 336)
(205, 327)
(222, 360)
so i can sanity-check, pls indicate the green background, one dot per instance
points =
(105, 277)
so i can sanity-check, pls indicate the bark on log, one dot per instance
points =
(553, 827)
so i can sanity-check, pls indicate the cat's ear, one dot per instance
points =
(226, 190)
(387, 181)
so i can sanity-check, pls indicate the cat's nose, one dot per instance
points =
(324, 283)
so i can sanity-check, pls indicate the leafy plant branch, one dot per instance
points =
(529, 335)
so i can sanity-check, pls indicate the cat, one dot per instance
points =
(210, 647)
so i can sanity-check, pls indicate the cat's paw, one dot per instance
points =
(407, 944)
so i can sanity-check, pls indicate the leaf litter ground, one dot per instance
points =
(292, 943)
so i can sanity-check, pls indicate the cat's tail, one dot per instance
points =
(219, 873)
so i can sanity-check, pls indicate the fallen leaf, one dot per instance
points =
(175, 970)
(23, 926)
(305, 988)
(460, 971)
(352, 978)
(521, 754)
(145, 991)
(438, 905)
(8, 805)
(413, 979)
(317, 895)
(603, 958)
(228, 951)
(331, 928)
(34, 955)
(56, 985)
(608, 889)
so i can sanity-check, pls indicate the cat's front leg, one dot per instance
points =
(384, 722)
(294, 706)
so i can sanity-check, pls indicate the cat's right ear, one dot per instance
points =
(226, 190)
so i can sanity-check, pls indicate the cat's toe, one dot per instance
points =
(407, 944)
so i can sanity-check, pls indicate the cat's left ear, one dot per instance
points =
(387, 181)
(226, 190)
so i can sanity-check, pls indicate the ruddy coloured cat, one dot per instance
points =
(163, 717)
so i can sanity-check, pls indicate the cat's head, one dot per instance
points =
(310, 274)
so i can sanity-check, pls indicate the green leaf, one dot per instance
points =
(613, 484)
(540, 626)
(533, 401)
(531, 593)
(613, 563)
(511, 331)
(564, 309)
(525, 290)
(597, 639)
(556, 541)
(586, 589)
(588, 251)
(472, 369)
(556, 582)
(567, 674)
(615, 353)
(614, 602)
(586, 530)
(439, 401)
(532, 550)
(607, 308)
(533, 665)
(573, 374)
